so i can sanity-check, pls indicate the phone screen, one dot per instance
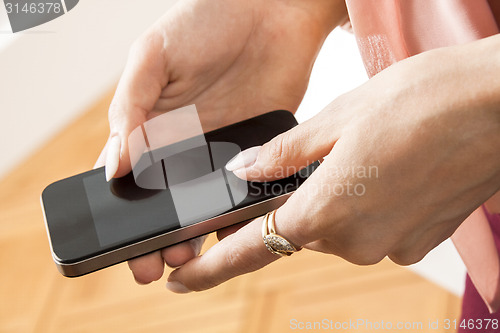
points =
(87, 216)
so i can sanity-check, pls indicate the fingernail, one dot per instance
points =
(112, 157)
(177, 287)
(197, 244)
(244, 159)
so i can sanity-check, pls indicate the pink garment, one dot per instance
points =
(473, 306)
(388, 31)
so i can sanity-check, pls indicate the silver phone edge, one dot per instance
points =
(176, 236)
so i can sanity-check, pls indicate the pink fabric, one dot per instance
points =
(476, 244)
(473, 305)
(391, 30)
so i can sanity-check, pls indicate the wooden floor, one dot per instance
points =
(305, 288)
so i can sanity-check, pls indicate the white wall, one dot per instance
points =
(53, 72)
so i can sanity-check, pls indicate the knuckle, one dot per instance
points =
(279, 148)
(359, 247)
(365, 256)
(138, 53)
(139, 45)
(369, 259)
(235, 259)
(240, 260)
(405, 258)
(148, 44)
(136, 47)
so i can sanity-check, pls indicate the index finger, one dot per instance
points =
(239, 253)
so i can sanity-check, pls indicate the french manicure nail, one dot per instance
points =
(177, 287)
(244, 159)
(112, 157)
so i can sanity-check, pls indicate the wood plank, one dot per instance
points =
(306, 287)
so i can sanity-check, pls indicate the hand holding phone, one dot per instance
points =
(93, 224)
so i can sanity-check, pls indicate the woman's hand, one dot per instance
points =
(409, 155)
(232, 59)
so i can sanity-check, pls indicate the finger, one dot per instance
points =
(138, 90)
(238, 253)
(416, 244)
(147, 268)
(288, 152)
(224, 232)
(177, 255)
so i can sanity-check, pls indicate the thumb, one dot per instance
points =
(288, 152)
(138, 91)
(239, 253)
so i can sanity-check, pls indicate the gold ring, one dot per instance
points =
(275, 243)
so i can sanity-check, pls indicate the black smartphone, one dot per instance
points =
(93, 224)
